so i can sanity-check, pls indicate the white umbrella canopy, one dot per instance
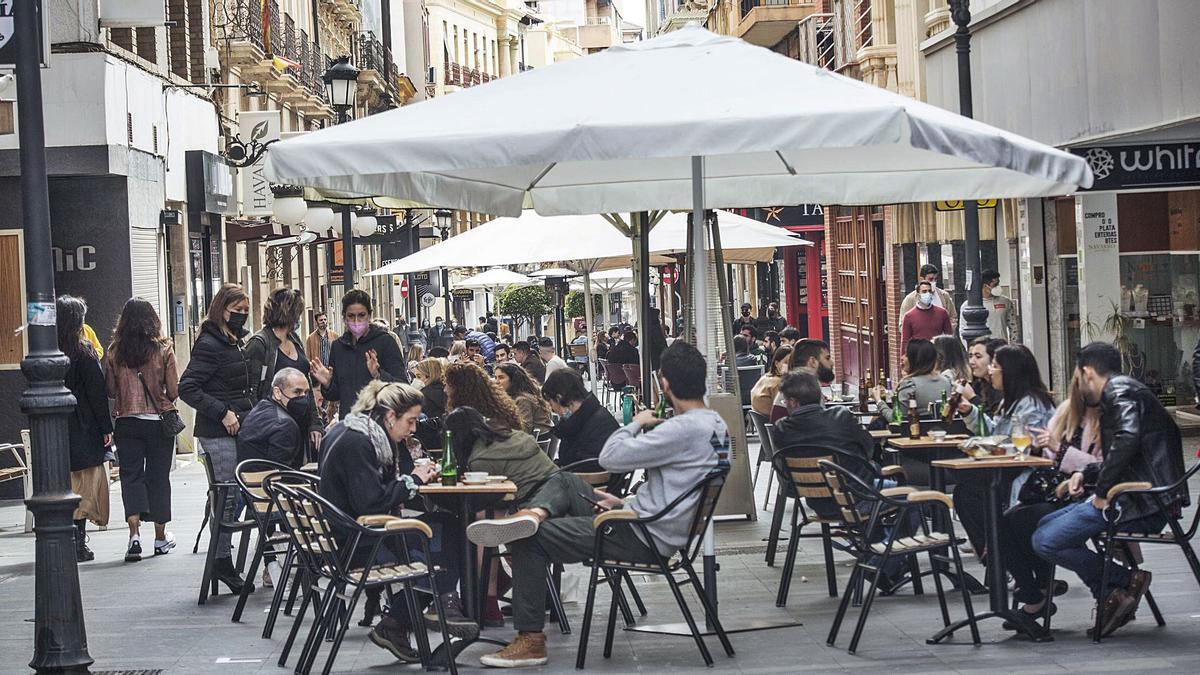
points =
(566, 139)
(587, 242)
(495, 278)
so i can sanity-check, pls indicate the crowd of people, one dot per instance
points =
(369, 408)
(1108, 429)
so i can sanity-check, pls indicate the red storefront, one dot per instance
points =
(805, 300)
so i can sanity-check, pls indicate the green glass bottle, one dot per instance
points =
(449, 470)
(661, 412)
(897, 414)
(942, 404)
(981, 425)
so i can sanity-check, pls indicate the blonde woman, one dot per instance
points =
(458, 350)
(416, 353)
(431, 374)
(364, 471)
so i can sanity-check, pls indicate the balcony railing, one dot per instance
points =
(369, 52)
(275, 25)
(245, 21)
(852, 26)
(748, 5)
(462, 76)
(817, 41)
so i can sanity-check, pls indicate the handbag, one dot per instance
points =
(170, 423)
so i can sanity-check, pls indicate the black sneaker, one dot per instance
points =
(390, 636)
(82, 552)
(457, 624)
(134, 552)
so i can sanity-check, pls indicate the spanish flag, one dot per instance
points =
(282, 63)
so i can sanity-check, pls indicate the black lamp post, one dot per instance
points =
(974, 314)
(445, 218)
(341, 88)
(59, 637)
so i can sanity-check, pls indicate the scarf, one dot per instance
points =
(384, 450)
(368, 427)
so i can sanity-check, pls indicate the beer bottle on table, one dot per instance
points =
(864, 394)
(952, 404)
(914, 419)
(897, 413)
(943, 402)
(449, 470)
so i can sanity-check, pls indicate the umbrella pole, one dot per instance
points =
(587, 318)
(641, 277)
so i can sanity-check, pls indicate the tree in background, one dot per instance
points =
(525, 304)
(575, 309)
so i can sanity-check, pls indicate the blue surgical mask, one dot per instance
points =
(566, 414)
(927, 298)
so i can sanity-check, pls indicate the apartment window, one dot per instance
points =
(456, 59)
(147, 44)
(445, 50)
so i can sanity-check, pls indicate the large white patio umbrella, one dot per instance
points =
(686, 120)
(497, 277)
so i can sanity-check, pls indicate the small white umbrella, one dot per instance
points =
(496, 277)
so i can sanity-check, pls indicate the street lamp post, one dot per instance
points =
(59, 636)
(974, 314)
(445, 218)
(341, 88)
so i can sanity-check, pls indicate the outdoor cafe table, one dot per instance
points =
(464, 495)
(996, 469)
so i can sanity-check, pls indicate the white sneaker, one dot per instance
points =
(164, 546)
(492, 533)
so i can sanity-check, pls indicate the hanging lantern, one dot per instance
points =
(290, 210)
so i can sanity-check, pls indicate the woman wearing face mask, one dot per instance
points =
(430, 373)
(363, 353)
(217, 384)
(366, 471)
(277, 346)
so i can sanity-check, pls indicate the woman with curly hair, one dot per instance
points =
(527, 395)
(467, 384)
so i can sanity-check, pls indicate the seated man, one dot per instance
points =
(1141, 444)
(557, 525)
(810, 423)
(741, 351)
(549, 357)
(526, 355)
(271, 430)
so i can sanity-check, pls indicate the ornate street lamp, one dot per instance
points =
(59, 636)
(974, 314)
(445, 219)
(341, 88)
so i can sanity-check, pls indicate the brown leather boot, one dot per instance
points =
(526, 650)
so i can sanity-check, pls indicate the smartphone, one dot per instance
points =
(592, 500)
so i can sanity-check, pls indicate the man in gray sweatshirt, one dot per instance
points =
(557, 523)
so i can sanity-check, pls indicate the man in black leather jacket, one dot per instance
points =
(1141, 445)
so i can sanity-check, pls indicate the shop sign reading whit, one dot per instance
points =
(1152, 165)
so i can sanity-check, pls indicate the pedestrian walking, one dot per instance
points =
(89, 427)
(276, 347)
(365, 352)
(217, 384)
(141, 377)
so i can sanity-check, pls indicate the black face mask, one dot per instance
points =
(300, 407)
(237, 320)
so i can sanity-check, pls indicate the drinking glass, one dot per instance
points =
(1021, 438)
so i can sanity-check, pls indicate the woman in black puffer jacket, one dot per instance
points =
(217, 384)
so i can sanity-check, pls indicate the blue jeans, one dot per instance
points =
(1061, 538)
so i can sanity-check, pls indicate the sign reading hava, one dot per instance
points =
(9, 37)
(1117, 167)
(263, 128)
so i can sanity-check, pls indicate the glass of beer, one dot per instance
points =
(1021, 438)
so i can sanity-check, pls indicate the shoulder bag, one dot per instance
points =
(169, 420)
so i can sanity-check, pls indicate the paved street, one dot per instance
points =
(144, 617)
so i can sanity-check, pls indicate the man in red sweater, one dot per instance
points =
(926, 320)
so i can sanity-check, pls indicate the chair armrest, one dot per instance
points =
(375, 520)
(891, 470)
(931, 496)
(617, 514)
(1117, 489)
(898, 491)
(401, 524)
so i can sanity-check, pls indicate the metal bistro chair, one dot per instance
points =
(1114, 539)
(615, 375)
(218, 493)
(872, 511)
(292, 578)
(311, 522)
(748, 376)
(766, 447)
(633, 377)
(249, 476)
(705, 494)
(800, 477)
